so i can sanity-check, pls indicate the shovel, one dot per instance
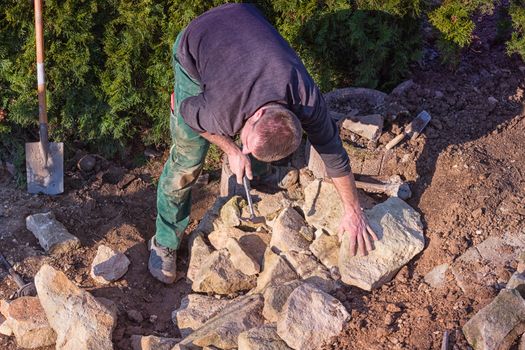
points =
(44, 159)
(413, 129)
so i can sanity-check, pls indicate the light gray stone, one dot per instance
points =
(4, 327)
(27, 320)
(285, 231)
(230, 213)
(241, 259)
(218, 275)
(51, 234)
(276, 270)
(262, 338)
(80, 320)
(195, 310)
(275, 297)
(310, 270)
(498, 324)
(326, 249)
(310, 317)
(270, 205)
(323, 208)
(517, 281)
(400, 232)
(108, 265)
(199, 252)
(436, 277)
(224, 328)
(151, 342)
(367, 126)
(254, 243)
(522, 343)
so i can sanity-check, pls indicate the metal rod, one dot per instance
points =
(246, 184)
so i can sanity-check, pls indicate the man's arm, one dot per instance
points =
(354, 221)
(239, 162)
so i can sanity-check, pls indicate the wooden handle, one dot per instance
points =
(395, 141)
(41, 78)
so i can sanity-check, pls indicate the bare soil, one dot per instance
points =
(468, 182)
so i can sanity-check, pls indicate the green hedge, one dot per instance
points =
(108, 62)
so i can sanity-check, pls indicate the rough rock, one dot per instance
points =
(368, 126)
(400, 232)
(322, 207)
(87, 163)
(254, 243)
(195, 310)
(224, 328)
(108, 265)
(315, 162)
(310, 317)
(436, 277)
(517, 281)
(51, 234)
(261, 338)
(206, 225)
(310, 270)
(285, 233)
(326, 249)
(275, 297)
(230, 213)
(151, 342)
(476, 268)
(218, 275)
(4, 327)
(276, 270)
(135, 316)
(498, 324)
(270, 205)
(80, 320)
(27, 320)
(241, 259)
(199, 252)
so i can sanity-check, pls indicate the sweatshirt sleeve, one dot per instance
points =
(323, 133)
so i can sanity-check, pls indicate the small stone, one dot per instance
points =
(492, 100)
(218, 275)
(517, 281)
(230, 213)
(400, 232)
(87, 163)
(285, 235)
(310, 270)
(135, 316)
(498, 324)
(275, 297)
(195, 310)
(261, 338)
(310, 318)
(438, 94)
(108, 265)
(153, 318)
(223, 329)
(4, 328)
(199, 252)
(436, 277)
(270, 205)
(326, 249)
(26, 319)
(240, 259)
(367, 126)
(477, 213)
(151, 342)
(393, 308)
(322, 207)
(51, 234)
(80, 320)
(276, 270)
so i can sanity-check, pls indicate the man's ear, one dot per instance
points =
(258, 114)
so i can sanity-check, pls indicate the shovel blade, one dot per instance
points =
(45, 176)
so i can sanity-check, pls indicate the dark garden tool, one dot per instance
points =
(412, 130)
(24, 289)
(254, 219)
(44, 159)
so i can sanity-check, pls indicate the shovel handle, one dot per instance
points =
(41, 77)
(18, 280)
(395, 141)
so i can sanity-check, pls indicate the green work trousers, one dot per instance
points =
(184, 163)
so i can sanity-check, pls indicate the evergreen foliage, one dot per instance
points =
(517, 42)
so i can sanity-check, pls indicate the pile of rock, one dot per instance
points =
(272, 285)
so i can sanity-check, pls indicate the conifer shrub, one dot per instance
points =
(516, 44)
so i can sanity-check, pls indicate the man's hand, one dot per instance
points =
(355, 224)
(240, 165)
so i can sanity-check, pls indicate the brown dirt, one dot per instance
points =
(467, 176)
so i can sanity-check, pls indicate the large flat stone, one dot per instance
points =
(310, 270)
(276, 270)
(275, 297)
(80, 320)
(51, 234)
(498, 324)
(323, 208)
(262, 338)
(195, 310)
(286, 231)
(400, 232)
(269, 206)
(108, 265)
(218, 275)
(199, 252)
(27, 320)
(326, 249)
(254, 243)
(477, 268)
(242, 260)
(224, 328)
(310, 317)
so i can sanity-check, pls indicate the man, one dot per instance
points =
(235, 73)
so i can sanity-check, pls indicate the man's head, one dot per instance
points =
(271, 133)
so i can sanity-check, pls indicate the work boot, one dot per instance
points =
(279, 177)
(162, 262)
